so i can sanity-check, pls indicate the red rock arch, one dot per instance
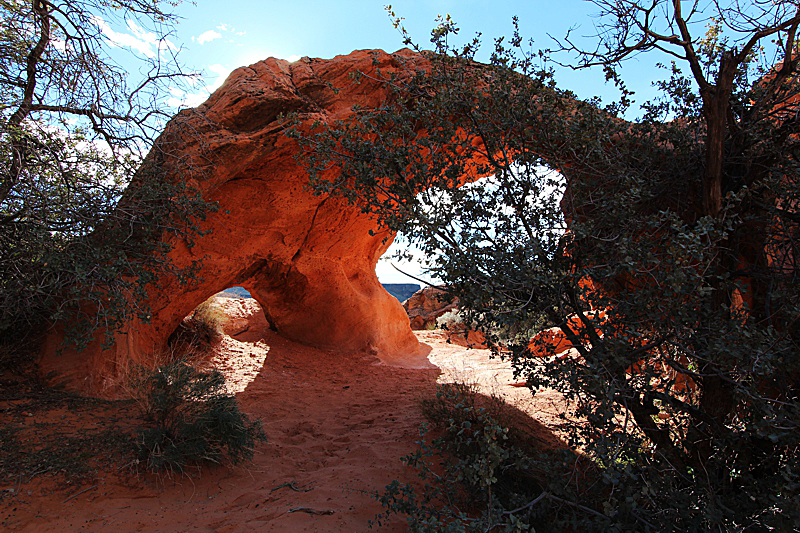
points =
(308, 260)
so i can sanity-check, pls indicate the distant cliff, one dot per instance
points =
(401, 291)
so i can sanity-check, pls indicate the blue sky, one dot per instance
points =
(217, 36)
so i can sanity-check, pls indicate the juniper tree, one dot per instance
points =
(74, 125)
(668, 263)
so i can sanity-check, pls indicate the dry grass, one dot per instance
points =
(200, 331)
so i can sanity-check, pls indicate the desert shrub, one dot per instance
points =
(680, 226)
(73, 252)
(483, 475)
(450, 320)
(210, 316)
(199, 330)
(191, 418)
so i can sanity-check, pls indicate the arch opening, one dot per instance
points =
(227, 332)
(308, 260)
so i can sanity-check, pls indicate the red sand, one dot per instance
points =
(337, 426)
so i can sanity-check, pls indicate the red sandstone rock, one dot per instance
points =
(467, 338)
(241, 314)
(308, 260)
(552, 341)
(426, 305)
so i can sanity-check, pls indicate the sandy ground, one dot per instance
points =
(337, 424)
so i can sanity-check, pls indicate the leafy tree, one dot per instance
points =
(669, 263)
(74, 125)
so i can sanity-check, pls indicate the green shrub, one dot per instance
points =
(191, 420)
(677, 285)
(210, 316)
(481, 475)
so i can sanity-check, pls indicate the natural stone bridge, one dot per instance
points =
(308, 260)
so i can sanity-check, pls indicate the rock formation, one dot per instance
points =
(308, 260)
(426, 305)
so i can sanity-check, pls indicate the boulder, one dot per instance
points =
(241, 314)
(426, 305)
(553, 341)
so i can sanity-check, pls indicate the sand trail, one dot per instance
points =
(337, 426)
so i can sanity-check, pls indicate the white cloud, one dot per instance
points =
(222, 73)
(139, 40)
(231, 29)
(180, 98)
(194, 79)
(207, 36)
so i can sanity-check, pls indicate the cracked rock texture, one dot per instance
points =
(308, 260)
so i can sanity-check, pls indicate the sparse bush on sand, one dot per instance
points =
(191, 419)
(198, 331)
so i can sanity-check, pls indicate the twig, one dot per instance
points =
(42, 471)
(87, 489)
(292, 486)
(309, 510)
(428, 283)
(577, 506)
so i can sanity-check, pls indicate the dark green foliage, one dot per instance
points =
(73, 135)
(192, 420)
(482, 475)
(94, 278)
(683, 231)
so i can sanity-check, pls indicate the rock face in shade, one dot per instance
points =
(308, 260)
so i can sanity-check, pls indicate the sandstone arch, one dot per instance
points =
(308, 260)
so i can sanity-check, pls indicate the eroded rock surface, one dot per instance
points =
(308, 260)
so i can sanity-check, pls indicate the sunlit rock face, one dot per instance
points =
(426, 305)
(308, 260)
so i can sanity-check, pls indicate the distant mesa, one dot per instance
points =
(401, 291)
(235, 292)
